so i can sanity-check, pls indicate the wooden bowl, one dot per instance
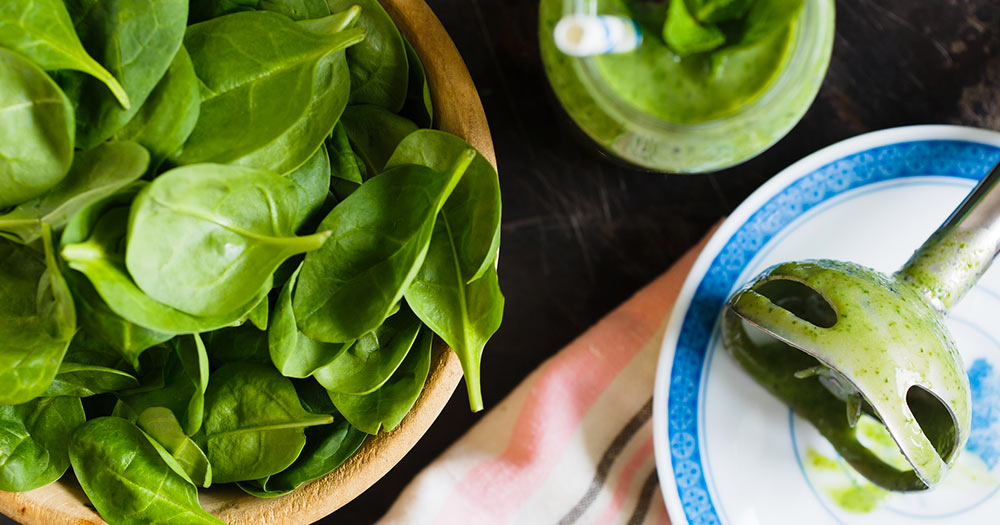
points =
(458, 110)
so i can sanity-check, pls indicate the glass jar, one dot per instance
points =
(639, 138)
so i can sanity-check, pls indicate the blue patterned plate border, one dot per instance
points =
(867, 159)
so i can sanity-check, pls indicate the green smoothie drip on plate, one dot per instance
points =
(700, 59)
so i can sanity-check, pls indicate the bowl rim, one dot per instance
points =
(457, 110)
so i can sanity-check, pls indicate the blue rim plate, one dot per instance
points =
(726, 452)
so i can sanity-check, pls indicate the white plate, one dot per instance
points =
(726, 450)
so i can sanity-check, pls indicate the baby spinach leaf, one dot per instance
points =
(418, 106)
(43, 31)
(456, 292)
(331, 87)
(136, 41)
(259, 315)
(262, 86)
(230, 227)
(91, 245)
(185, 380)
(380, 236)
(91, 367)
(170, 113)
(293, 353)
(473, 210)
(160, 425)
(36, 132)
(379, 73)
(687, 35)
(374, 134)
(33, 441)
(327, 447)
(313, 396)
(83, 380)
(128, 339)
(37, 320)
(369, 363)
(312, 182)
(95, 174)
(464, 314)
(202, 10)
(344, 168)
(386, 407)
(87, 349)
(243, 344)
(254, 423)
(294, 9)
(127, 480)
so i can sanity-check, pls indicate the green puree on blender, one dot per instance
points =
(700, 59)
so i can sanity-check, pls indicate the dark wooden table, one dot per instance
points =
(581, 234)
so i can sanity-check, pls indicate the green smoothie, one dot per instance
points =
(699, 86)
(695, 95)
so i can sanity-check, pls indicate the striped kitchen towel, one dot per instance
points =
(573, 443)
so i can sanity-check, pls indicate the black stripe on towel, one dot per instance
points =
(607, 460)
(645, 499)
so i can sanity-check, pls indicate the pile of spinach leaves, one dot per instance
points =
(229, 238)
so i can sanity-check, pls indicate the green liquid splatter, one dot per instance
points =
(850, 492)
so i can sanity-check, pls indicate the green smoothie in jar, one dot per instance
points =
(711, 84)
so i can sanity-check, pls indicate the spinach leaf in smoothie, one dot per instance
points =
(136, 41)
(386, 407)
(766, 17)
(170, 113)
(37, 320)
(369, 363)
(379, 70)
(36, 133)
(34, 437)
(42, 31)
(127, 479)
(687, 35)
(379, 238)
(715, 11)
(95, 174)
(249, 213)
(293, 353)
(262, 85)
(254, 423)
